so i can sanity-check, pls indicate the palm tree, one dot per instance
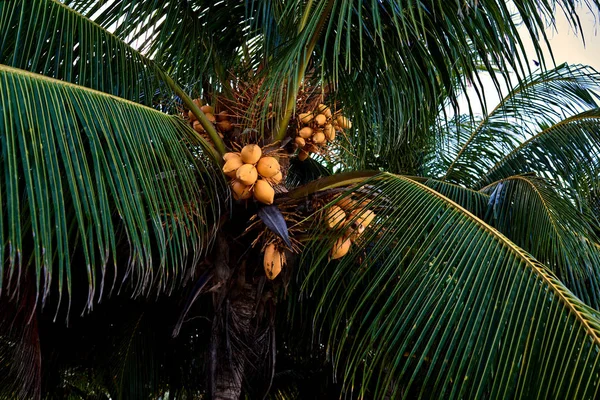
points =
(428, 254)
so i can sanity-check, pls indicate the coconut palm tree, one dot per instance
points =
(282, 198)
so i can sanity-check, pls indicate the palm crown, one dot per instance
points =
(417, 252)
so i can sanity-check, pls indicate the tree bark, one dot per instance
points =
(232, 343)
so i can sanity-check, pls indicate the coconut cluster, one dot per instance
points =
(353, 219)
(221, 121)
(253, 174)
(318, 128)
(273, 261)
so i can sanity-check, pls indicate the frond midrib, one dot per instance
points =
(542, 272)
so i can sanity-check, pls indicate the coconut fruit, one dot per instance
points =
(323, 109)
(329, 132)
(247, 174)
(251, 154)
(228, 156)
(346, 203)
(340, 248)
(263, 192)
(305, 118)
(305, 133)
(362, 217)
(276, 179)
(224, 126)
(241, 191)
(191, 116)
(273, 260)
(197, 102)
(222, 116)
(320, 119)
(303, 155)
(300, 142)
(319, 138)
(268, 167)
(207, 110)
(343, 122)
(335, 217)
(210, 117)
(232, 165)
(355, 233)
(198, 127)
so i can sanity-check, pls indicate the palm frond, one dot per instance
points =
(470, 148)
(534, 216)
(303, 172)
(475, 202)
(431, 303)
(197, 42)
(48, 38)
(566, 152)
(83, 169)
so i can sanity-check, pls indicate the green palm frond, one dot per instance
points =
(566, 152)
(475, 202)
(303, 172)
(196, 42)
(434, 303)
(48, 38)
(86, 170)
(470, 148)
(535, 217)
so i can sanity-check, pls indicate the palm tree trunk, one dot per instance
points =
(233, 329)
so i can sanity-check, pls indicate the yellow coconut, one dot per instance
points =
(207, 110)
(263, 192)
(362, 217)
(224, 126)
(247, 174)
(300, 142)
(232, 164)
(191, 116)
(305, 132)
(346, 204)
(198, 127)
(241, 191)
(273, 261)
(323, 109)
(340, 248)
(197, 102)
(343, 122)
(305, 118)
(320, 119)
(251, 153)
(268, 167)
(211, 117)
(335, 217)
(319, 138)
(303, 155)
(329, 132)
(354, 233)
(276, 179)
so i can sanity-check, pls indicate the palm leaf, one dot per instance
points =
(535, 217)
(437, 307)
(566, 152)
(543, 99)
(475, 202)
(196, 42)
(48, 38)
(86, 170)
